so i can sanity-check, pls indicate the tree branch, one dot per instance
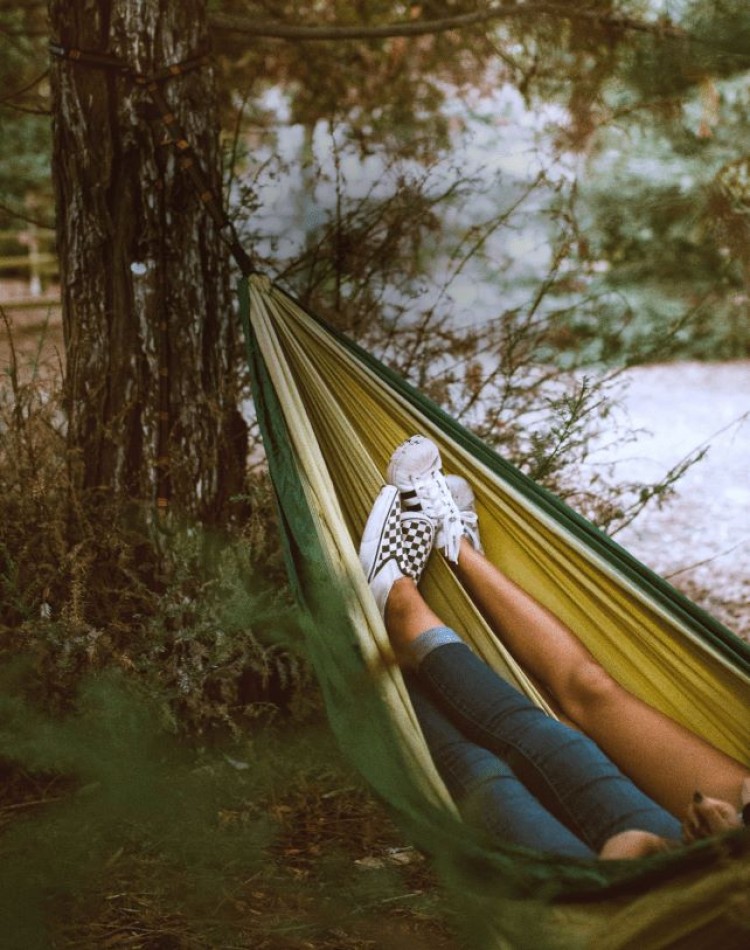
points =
(21, 216)
(230, 23)
(11, 6)
(24, 89)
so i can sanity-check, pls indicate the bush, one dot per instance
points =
(89, 583)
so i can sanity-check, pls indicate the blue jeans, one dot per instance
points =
(520, 775)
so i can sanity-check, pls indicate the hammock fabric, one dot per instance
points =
(330, 415)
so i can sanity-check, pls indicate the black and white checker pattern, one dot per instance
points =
(391, 543)
(418, 535)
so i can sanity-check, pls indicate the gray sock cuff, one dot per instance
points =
(430, 640)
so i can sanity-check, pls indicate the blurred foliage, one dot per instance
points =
(25, 187)
(116, 833)
(649, 104)
(647, 121)
(346, 81)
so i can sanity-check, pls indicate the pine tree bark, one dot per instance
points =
(144, 271)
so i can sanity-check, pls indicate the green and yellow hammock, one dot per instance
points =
(330, 415)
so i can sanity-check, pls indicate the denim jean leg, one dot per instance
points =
(486, 791)
(566, 770)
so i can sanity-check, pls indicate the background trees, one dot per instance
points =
(508, 211)
(380, 164)
(24, 146)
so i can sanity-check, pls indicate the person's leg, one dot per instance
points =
(670, 766)
(564, 769)
(674, 763)
(396, 544)
(487, 793)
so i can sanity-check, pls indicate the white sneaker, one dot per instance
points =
(415, 469)
(381, 547)
(394, 544)
(463, 495)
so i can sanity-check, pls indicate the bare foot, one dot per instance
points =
(628, 845)
(709, 816)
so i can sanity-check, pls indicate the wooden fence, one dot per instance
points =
(28, 273)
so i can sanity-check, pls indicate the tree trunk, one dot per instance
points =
(149, 328)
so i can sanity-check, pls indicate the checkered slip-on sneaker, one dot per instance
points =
(463, 495)
(415, 469)
(381, 550)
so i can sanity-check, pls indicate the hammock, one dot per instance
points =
(330, 415)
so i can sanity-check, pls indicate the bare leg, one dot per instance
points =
(666, 760)
(407, 616)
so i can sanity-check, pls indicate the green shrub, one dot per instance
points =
(89, 583)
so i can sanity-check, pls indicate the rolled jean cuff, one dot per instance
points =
(430, 640)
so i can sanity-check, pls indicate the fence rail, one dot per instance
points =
(30, 303)
(27, 262)
(24, 277)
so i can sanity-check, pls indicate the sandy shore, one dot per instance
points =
(700, 540)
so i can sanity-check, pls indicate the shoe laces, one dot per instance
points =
(470, 520)
(435, 500)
